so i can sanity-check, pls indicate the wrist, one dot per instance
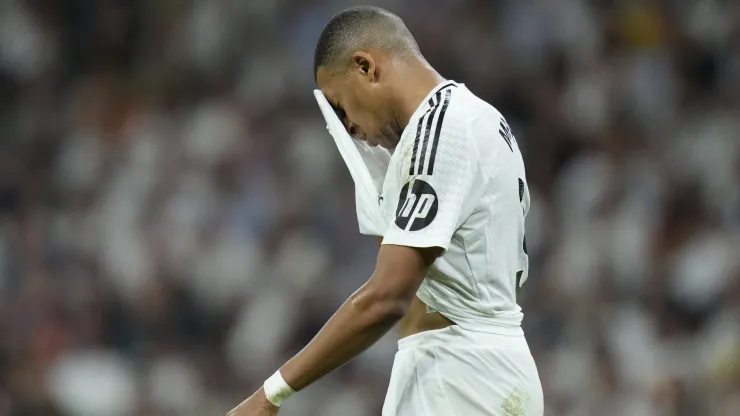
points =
(277, 391)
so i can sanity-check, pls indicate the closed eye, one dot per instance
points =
(343, 117)
(340, 113)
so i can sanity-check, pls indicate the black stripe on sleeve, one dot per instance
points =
(430, 113)
(427, 131)
(416, 145)
(435, 141)
(433, 102)
(505, 133)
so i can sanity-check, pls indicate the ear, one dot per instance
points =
(366, 64)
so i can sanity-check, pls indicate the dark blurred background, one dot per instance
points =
(175, 220)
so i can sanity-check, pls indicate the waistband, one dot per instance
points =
(454, 335)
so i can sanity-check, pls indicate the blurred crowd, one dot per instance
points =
(175, 221)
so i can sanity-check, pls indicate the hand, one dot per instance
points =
(256, 405)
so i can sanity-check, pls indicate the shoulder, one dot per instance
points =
(485, 127)
(462, 117)
(442, 128)
(453, 126)
(479, 117)
(452, 107)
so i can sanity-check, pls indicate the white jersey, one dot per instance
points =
(456, 180)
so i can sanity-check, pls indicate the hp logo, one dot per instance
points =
(417, 206)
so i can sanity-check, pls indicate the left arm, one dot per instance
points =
(360, 322)
(430, 207)
(365, 317)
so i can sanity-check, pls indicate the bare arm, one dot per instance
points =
(365, 317)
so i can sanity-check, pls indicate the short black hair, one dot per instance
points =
(358, 27)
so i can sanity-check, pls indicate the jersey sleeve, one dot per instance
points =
(436, 180)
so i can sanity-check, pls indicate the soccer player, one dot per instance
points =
(454, 255)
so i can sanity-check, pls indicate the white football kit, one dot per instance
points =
(456, 180)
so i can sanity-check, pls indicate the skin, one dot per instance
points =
(376, 95)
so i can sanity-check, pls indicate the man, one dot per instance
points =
(451, 261)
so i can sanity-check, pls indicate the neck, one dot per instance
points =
(416, 79)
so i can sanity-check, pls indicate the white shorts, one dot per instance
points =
(455, 372)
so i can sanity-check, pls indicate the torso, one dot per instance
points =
(469, 166)
(418, 320)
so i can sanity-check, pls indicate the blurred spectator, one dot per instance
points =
(175, 222)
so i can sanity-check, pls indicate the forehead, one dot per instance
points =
(330, 82)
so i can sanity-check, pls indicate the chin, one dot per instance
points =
(388, 144)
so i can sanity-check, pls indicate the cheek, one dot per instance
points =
(372, 113)
(380, 112)
(367, 114)
(371, 123)
(360, 116)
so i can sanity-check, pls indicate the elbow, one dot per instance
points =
(380, 305)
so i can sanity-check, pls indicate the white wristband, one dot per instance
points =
(277, 390)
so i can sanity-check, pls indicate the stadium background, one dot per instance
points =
(175, 221)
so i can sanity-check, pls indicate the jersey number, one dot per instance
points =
(524, 243)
